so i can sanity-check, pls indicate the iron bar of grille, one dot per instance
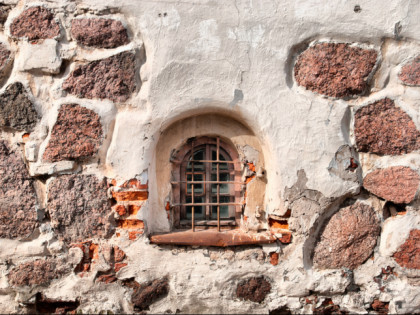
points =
(210, 161)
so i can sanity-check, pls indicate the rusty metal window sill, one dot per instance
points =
(213, 238)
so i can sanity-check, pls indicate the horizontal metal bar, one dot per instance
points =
(206, 182)
(209, 161)
(208, 204)
(212, 222)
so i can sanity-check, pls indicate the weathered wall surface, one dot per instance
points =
(321, 101)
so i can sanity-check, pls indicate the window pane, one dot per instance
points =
(199, 211)
(198, 188)
(198, 166)
(224, 212)
(224, 188)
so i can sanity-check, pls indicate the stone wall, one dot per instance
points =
(320, 101)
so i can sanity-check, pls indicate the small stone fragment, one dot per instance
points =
(336, 70)
(100, 33)
(77, 134)
(398, 184)
(38, 272)
(410, 73)
(18, 217)
(35, 23)
(42, 56)
(148, 293)
(16, 110)
(381, 308)
(111, 78)
(408, 255)
(383, 128)
(348, 238)
(253, 289)
(79, 208)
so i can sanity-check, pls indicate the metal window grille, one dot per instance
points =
(209, 186)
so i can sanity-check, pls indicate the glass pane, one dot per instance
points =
(224, 212)
(223, 177)
(198, 166)
(222, 166)
(199, 189)
(199, 211)
(224, 188)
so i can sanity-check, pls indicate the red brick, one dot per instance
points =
(130, 195)
(131, 224)
(118, 266)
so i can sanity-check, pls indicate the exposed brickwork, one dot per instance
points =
(76, 134)
(130, 195)
(18, 217)
(79, 207)
(336, 70)
(38, 272)
(254, 289)
(111, 78)
(383, 128)
(16, 110)
(348, 238)
(410, 73)
(408, 255)
(101, 33)
(146, 294)
(35, 23)
(398, 184)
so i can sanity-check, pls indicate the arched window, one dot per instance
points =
(209, 184)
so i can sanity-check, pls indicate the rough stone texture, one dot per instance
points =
(253, 289)
(383, 128)
(18, 217)
(16, 110)
(35, 23)
(148, 293)
(408, 255)
(79, 207)
(76, 134)
(398, 184)
(410, 73)
(4, 56)
(4, 13)
(348, 238)
(38, 272)
(336, 70)
(101, 33)
(111, 78)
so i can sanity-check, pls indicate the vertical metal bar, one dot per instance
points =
(218, 185)
(192, 187)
